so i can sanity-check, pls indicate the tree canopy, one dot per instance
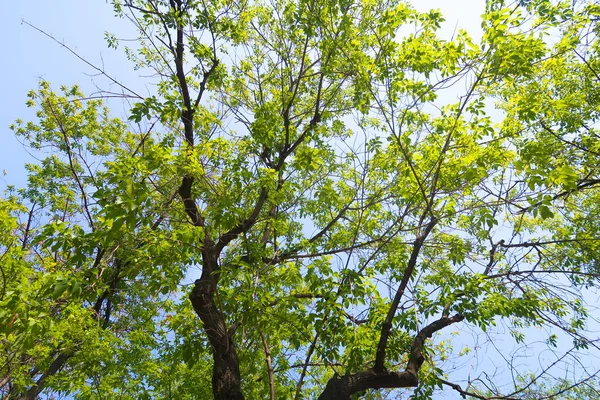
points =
(318, 199)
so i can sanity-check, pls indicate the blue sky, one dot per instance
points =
(30, 56)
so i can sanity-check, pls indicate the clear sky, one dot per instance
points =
(30, 56)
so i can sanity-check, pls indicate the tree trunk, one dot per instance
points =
(226, 380)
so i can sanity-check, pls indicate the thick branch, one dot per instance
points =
(490, 265)
(187, 113)
(408, 272)
(543, 243)
(191, 209)
(342, 388)
(56, 365)
(245, 225)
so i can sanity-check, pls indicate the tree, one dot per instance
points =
(299, 163)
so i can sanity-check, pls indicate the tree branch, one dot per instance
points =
(70, 50)
(269, 366)
(245, 225)
(387, 324)
(342, 388)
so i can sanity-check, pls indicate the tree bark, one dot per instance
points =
(226, 378)
(342, 388)
(36, 389)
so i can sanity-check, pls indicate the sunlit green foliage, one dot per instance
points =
(318, 200)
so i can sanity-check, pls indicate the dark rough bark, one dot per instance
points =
(342, 388)
(54, 367)
(226, 379)
(408, 273)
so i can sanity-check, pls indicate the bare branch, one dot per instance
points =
(269, 366)
(100, 70)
